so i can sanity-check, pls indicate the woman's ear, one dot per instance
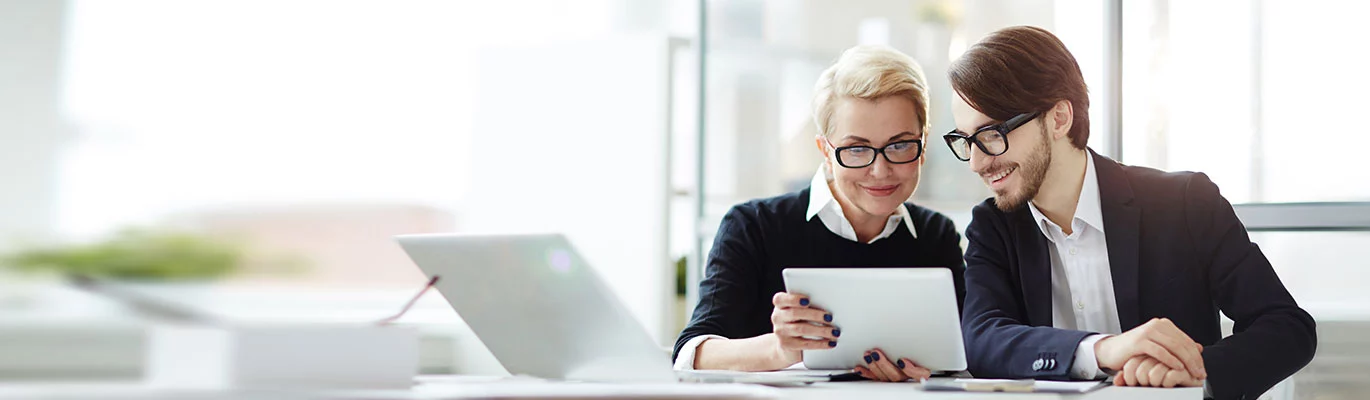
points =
(823, 149)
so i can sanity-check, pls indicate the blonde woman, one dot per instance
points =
(871, 109)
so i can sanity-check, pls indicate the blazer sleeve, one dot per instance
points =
(999, 341)
(728, 292)
(1272, 337)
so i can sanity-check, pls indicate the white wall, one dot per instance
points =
(191, 105)
(570, 137)
(31, 128)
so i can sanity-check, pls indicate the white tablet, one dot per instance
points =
(906, 312)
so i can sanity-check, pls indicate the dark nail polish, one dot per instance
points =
(832, 344)
(875, 356)
(837, 332)
(900, 364)
(803, 302)
(868, 359)
(827, 317)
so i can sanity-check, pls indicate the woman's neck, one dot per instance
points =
(867, 226)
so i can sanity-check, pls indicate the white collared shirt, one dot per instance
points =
(1081, 281)
(823, 205)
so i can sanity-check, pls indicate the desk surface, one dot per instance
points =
(446, 387)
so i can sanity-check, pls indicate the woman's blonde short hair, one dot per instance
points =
(870, 72)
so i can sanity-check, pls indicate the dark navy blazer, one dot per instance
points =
(1176, 250)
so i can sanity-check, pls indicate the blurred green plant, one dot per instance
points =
(135, 254)
(680, 275)
(941, 12)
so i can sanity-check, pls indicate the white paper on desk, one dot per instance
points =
(775, 378)
(1037, 386)
(784, 372)
(558, 390)
(1067, 386)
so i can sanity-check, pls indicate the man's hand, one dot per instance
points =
(798, 327)
(1146, 371)
(1158, 339)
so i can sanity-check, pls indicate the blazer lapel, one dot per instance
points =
(1122, 225)
(1034, 269)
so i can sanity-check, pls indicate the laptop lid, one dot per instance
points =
(539, 308)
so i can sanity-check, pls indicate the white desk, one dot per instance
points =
(450, 387)
(873, 390)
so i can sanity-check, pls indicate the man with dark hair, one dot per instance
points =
(1080, 267)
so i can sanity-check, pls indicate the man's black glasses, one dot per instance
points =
(992, 139)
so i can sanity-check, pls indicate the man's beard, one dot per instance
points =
(1032, 172)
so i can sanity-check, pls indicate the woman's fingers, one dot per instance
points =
(913, 371)
(799, 343)
(808, 331)
(865, 373)
(881, 367)
(875, 369)
(795, 308)
(805, 314)
(786, 300)
(886, 366)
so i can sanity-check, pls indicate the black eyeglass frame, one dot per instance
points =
(1001, 128)
(879, 152)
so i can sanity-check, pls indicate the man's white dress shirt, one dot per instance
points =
(1081, 281)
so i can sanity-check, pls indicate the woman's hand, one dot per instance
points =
(879, 367)
(798, 327)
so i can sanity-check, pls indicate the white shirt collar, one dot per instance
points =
(823, 205)
(1088, 211)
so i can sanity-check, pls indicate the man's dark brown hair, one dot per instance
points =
(1022, 69)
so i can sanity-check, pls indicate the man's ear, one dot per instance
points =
(1060, 118)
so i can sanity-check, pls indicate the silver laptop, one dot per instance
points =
(542, 311)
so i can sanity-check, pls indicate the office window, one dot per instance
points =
(317, 129)
(763, 58)
(1254, 93)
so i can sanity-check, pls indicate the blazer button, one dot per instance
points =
(1037, 365)
(1051, 364)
